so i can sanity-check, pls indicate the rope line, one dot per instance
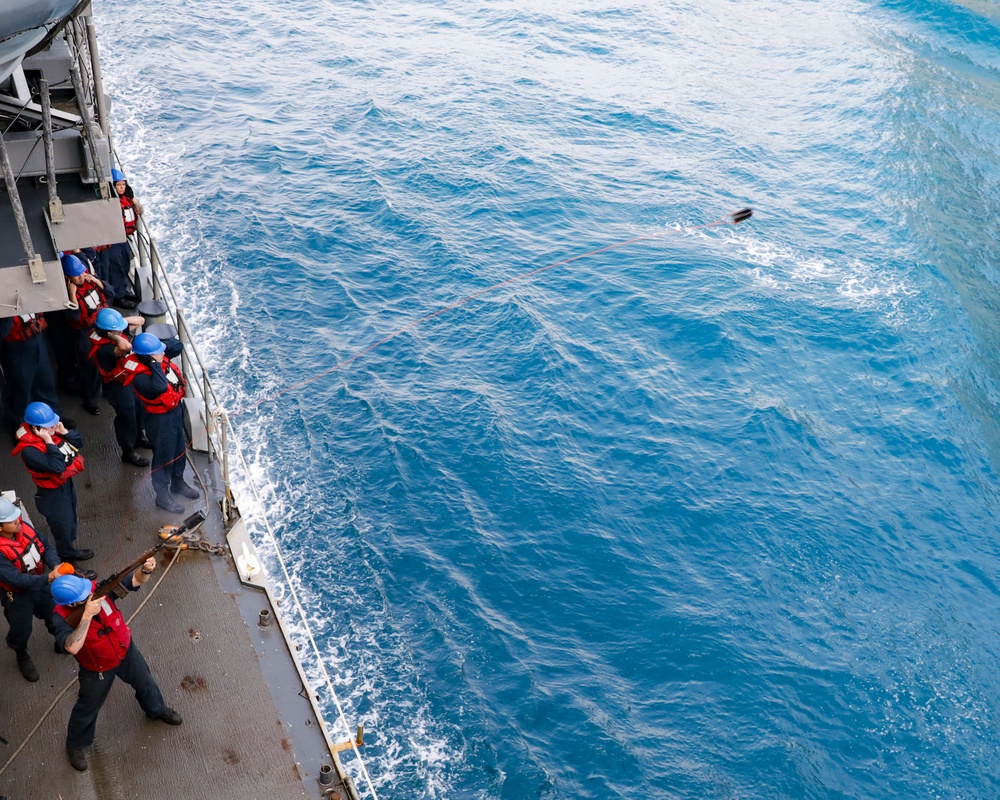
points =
(237, 446)
(271, 536)
(729, 219)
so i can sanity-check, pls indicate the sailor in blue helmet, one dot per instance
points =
(94, 632)
(160, 387)
(119, 255)
(51, 453)
(109, 346)
(87, 299)
(27, 566)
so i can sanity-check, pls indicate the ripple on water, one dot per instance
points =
(705, 516)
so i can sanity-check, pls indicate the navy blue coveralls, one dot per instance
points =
(29, 596)
(119, 262)
(129, 413)
(71, 345)
(27, 371)
(94, 686)
(58, 505)
(165, 432)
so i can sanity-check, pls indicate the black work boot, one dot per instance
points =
(167, 503)
(26, 665)
(181, 488)
(169, 716)
(78, 758)
(135, 458)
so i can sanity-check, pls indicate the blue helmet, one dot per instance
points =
(68, 589)
(145, 344)
(41, 415)
(117, 175)
(72, 266)
(8, 511)
(110, 320)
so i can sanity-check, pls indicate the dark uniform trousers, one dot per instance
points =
(88, 379)
(129, 414)
(58, 506)
(100, 264)
(94, 688)
(28, 374)
(75, 371)
(20, 607)
(62, 341)
(166, 432)
(119, 262)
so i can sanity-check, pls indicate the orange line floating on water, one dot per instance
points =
(730, 219)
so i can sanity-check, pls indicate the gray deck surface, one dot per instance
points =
(233, 743)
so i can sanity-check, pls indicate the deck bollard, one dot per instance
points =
(264, 619)
(153, 311)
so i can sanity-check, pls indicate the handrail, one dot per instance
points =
(221, 439)
(160, 279)
(218, 432)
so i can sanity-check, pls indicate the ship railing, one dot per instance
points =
(221, 444)
(212, 412)
(219, 440)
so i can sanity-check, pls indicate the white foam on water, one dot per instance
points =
(848, 282)
(198, 269)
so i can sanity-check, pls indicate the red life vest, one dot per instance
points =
(90, 299)
(170, 398)
(26, 437)
(108, 637)
(25, 326)
(26, 551)
(96, 343)
(128, 214)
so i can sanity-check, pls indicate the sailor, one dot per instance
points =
(119, 255)
(109, 346)
(102, 644)
(27, 567)
(159, 385)
(26, 366)
(86, 294)
(51, 453)
(131, 208)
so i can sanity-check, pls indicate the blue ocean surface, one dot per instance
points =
(709, 515)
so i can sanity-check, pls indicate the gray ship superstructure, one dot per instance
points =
(25, 25)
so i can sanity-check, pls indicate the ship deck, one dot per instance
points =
(248, 730)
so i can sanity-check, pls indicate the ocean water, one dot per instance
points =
(711, 515)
